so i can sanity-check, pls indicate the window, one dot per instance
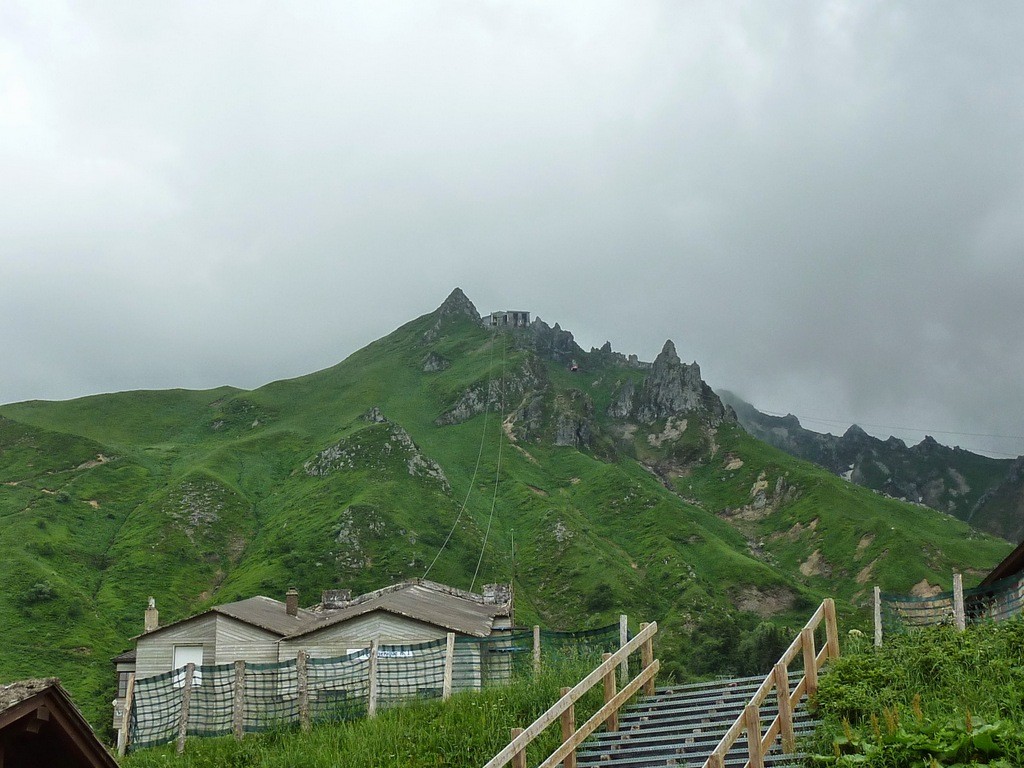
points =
(122, 684)
(187, 654)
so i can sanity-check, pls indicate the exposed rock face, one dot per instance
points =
(622, 405)
(483, 396)
(554, 343)
(1001, 509)
(434, 362)
(671, 388)
(456, 306)
(951, 480)
(574, 420)
(364, 449)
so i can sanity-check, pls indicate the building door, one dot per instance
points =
(187, 654)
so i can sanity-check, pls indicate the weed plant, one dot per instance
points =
(468, 730)
(930, 697)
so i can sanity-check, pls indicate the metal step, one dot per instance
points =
(681, 724)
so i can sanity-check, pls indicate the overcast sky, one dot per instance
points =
(821, 203)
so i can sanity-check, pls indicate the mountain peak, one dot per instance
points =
(668, 355)
(458, 303)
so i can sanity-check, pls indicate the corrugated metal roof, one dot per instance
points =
(420, 600)
(266, 613)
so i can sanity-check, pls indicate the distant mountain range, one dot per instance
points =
(985, 492)
(594, 482)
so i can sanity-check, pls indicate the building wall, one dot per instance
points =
(155, 650)
(386, 628)
(238, 640)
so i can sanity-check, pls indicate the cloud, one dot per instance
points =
(819, 203)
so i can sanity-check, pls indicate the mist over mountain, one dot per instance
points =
(981, 490)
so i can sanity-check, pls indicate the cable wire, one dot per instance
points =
(479, 453)
(497, 472)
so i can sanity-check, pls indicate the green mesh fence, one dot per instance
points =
(994, 602)
(271, 696)
(338, 688)
(210, 705)
(156, 709)
(480, 662)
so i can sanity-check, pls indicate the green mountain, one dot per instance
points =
(598, 484)
(986, 492)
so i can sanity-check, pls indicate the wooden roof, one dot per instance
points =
(40, 725)
(1011, 564)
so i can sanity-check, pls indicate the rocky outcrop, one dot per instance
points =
(553, 343)
(484, 395)
(574, 420)
(435, 362)
(456, 307)
(951, 480)
(671, 388)
(367, 449)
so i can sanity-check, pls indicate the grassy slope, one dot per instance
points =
(206, 500)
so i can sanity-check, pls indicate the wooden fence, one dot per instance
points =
(563, 710)
(758, 744)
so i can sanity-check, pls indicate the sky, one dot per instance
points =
(822, 203)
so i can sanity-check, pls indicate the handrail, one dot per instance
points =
(749, 720)
(605, 671)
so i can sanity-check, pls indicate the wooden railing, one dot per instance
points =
(758, 744)
(563, 710)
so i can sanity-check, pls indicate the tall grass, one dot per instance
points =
(467, 731)
(931, 697)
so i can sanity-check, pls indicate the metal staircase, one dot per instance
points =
(680, 725)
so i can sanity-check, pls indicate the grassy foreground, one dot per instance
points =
(467, 730)
(932, 697)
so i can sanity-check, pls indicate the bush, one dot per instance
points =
(40, 592)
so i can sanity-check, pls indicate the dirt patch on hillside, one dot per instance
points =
(924, 589)
(674, 429)
(816, 565)
(764, 602)
(863, 544)
(93, 503)
(536, 490)
(864, 575)
(100, 459)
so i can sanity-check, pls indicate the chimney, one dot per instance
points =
(291, 602)
(497, 594)
(152, 616)
(335, 598)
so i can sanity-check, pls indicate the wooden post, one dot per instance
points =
(238, 701)
(536, 649)
(810, 660)
(519, 758)
(878, 617)
(623, 639)
(715, 761)
(646, 659)
(186, 699)
(302, 676)
(752, 722)
(371, 702)
(959, 615)
(568, 722)
(785, 708)
(831, 628)
(449, 666)
(126, 717)
(609, 694)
